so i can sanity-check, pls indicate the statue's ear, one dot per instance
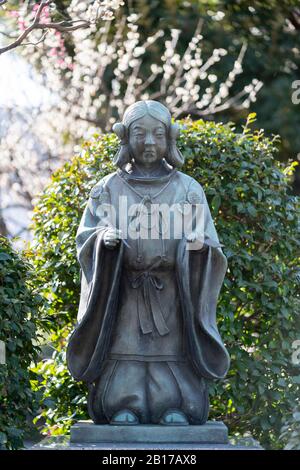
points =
(123, 155)
(174, 131)
(174, 157)
(120, 130)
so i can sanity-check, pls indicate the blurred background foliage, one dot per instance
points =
(271, 30)
(246, 55)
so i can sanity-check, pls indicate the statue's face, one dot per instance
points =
(147, 140)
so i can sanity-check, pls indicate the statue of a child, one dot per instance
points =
(147, 339)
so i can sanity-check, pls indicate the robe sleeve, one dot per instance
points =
(200, 276)
(100, 274)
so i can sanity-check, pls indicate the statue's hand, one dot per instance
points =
(199, 245)
(112, 237)
(192, 237)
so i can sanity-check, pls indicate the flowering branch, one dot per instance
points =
(100, 9)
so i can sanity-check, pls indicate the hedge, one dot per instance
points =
(19, 323)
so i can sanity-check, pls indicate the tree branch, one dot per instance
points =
(61, 26)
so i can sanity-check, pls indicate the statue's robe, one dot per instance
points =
(146, 301)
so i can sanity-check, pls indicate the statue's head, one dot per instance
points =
(147, 135)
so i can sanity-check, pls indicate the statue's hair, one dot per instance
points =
(137, 111)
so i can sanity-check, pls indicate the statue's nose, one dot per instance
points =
(149, 139)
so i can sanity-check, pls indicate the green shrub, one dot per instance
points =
(256, 218)
(19, 304)
(64, 400)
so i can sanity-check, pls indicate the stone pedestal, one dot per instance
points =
(88, 436)
(210, 433)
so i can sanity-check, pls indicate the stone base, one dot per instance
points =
(212, 432)
(87, 436)
(63, 443)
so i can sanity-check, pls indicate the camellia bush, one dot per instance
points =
(19, 324)
(258, 310)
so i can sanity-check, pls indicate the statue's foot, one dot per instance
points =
(124, 417)
(174, 418)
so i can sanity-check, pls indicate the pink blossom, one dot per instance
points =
(45, 13)
(14, 13)
(21, 24)
(44, 18)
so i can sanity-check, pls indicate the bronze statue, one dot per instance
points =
(146, 338)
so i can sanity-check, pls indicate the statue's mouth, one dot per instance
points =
(149, 153)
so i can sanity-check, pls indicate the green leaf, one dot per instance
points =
(4, 256)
